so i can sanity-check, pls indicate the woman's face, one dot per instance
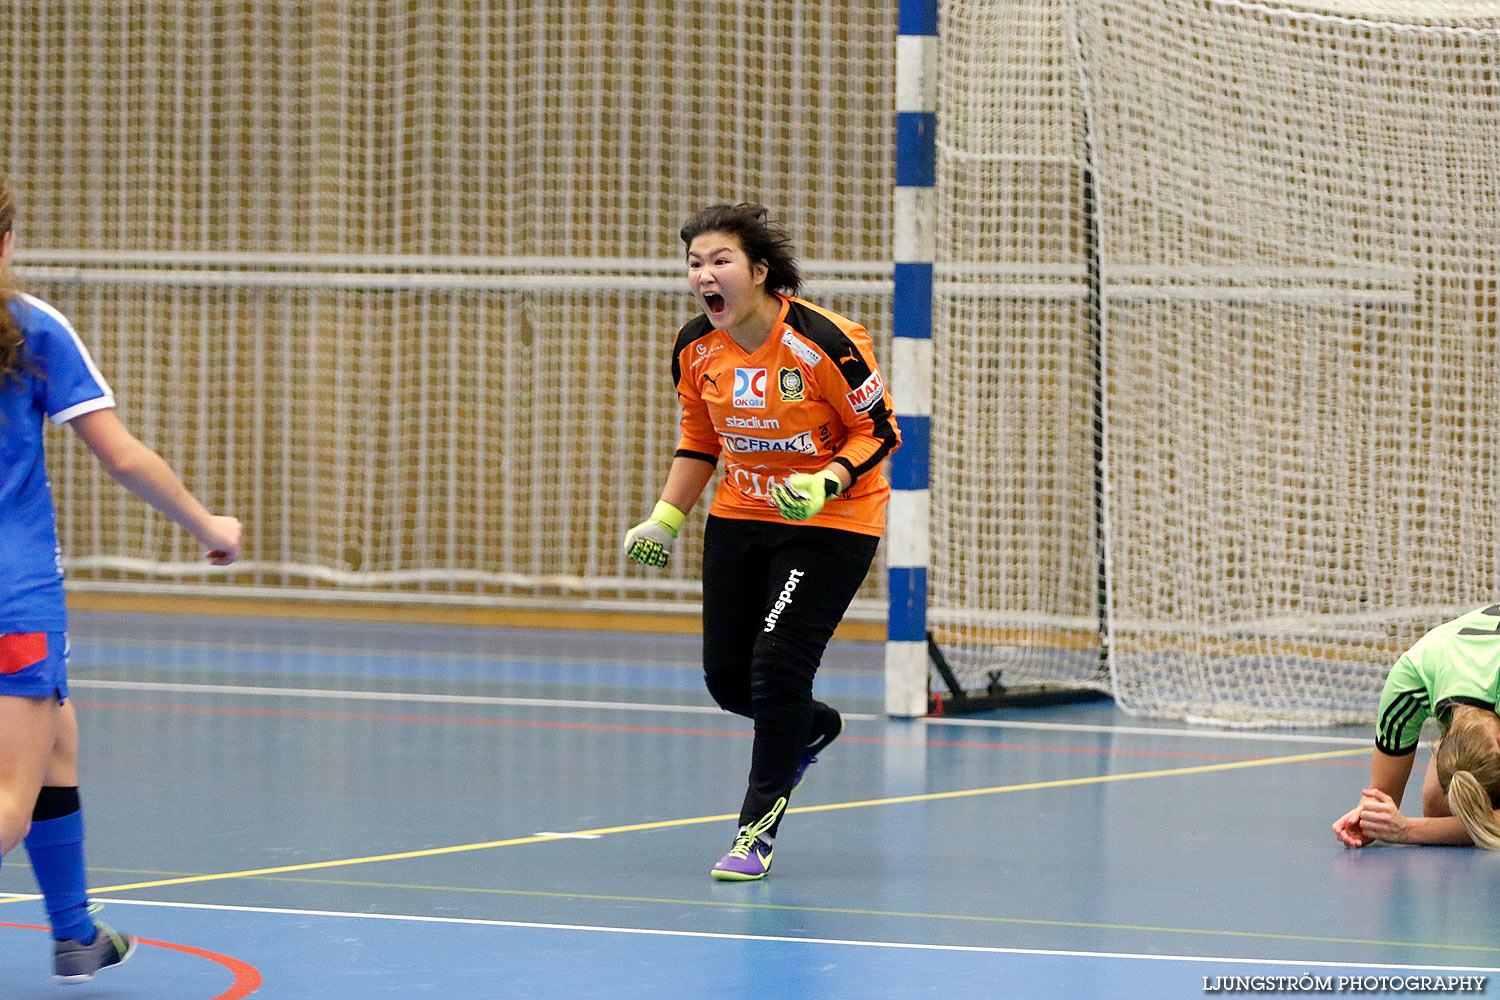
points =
(728, 286)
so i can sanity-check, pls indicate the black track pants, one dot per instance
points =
(772, 595)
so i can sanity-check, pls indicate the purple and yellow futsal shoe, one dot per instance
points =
(749, 859)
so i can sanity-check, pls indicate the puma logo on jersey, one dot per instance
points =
(705, 377)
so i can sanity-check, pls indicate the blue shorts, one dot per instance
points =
(34, 665)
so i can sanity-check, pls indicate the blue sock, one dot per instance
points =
(56, 849)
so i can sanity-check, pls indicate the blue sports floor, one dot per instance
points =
(291, 810)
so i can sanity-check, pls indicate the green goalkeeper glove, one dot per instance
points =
(650, 542)
(803, 494)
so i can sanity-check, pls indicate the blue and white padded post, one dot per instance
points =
(908, 546)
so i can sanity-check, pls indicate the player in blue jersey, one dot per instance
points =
(47, 373)
(1453, 674)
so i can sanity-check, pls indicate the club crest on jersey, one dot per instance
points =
(868, 394)
(750, 388)
(789, 380)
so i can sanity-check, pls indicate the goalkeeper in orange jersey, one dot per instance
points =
(1451, 673)
(789, 395)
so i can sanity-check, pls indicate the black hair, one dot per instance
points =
(762, 240)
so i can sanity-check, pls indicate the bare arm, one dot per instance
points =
(1388, 776)
(839, 471)
(685, 482)
(1381, 819)
(1389, 773)
(146, 474)
(1378, 815)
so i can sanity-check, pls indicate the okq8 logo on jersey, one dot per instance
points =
(750, 388)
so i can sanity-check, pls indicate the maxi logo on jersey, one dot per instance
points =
(750, 388)
(802, 444)
(868, 394)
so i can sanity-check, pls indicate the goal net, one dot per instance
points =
(1296, 216)
(1014, 582)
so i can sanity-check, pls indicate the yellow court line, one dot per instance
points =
(1095, 780)
(696, 820)
(404, 855)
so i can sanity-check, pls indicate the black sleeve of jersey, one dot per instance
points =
(883, 429)
(855, 370)
(694, 329)
(689, 453)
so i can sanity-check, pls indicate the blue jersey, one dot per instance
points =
(57, 380)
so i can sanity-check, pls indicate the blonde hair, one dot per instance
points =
(12, 337)
(1468, 767)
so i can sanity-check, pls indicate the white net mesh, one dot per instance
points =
(1299, 220)
(1015, 575)
(1297, 215)
(396, 282)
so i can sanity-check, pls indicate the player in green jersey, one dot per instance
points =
(1452, 673)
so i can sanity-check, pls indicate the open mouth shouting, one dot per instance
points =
(714, 305)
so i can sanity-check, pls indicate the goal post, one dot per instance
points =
(1014, 602)
(908, 546)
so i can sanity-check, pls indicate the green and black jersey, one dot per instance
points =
(1458, 662)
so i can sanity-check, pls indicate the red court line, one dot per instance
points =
(247, 978)
(599, 727)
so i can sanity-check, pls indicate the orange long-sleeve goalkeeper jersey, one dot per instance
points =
(809, 396)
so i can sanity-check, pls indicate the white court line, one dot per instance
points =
(457, 655)
(1224, 734)
(639, 706)
(712, 935)
(401, 696)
